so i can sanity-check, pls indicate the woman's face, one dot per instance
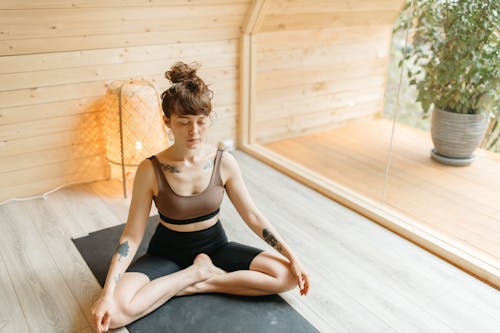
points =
(189, 130)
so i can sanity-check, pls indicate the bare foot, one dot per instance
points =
(205, 266)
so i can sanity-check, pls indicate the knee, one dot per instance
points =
(278, 268)
(289, 281)
(116, 323)
(286, 279)
(119, 317)
(122, 314)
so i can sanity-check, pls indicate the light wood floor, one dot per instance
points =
(364, 278)
(462, 203)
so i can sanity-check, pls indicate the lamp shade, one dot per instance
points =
(133, 124)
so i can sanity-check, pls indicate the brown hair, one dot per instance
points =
(188, 94)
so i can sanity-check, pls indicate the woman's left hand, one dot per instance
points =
(301, 276)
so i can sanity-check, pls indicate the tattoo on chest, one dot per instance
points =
(174, 169)
(271, 240)
(169, 168)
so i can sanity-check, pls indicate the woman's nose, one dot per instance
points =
(194, 128)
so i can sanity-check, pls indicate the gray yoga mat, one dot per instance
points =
(195, 313)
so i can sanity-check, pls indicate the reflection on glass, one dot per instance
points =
(456, 204)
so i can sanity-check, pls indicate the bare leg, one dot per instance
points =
(268, 274)
(150, 295)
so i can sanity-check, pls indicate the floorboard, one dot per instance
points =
(364, 278)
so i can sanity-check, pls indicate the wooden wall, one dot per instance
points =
(56, 57)
(320, 64)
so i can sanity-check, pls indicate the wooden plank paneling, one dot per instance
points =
(324, 100)
(339, 71)
(319, 104)
(49, 23)
(321, 56)
(215, 77)
(75, 137)
(295, 92)
(24, 113)
(105, 41)
(15, 4)
(346, 36)
(82, 168)
(51, 156)
(89, 136)
(319, 120)
(327, 6)
(49, 77)
(317, 62)
(36, 30)
(49, 94)
(300, 15)
(14, 32)
(325, 81)
(50, 182)
(278, 22)
(56, 59)
(134, 54)
(50, 125)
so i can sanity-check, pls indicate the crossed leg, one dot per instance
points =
(267, 274)
(135, 296)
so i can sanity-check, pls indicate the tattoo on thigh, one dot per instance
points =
(122, 250)
(271, 240)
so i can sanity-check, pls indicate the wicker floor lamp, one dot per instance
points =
(134, 129)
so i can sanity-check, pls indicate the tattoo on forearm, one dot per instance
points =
(117, 278)
(122, 250)
(170, 168)
(271, 240)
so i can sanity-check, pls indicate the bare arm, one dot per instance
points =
(238, 193)
(239, 196)
(133, 233)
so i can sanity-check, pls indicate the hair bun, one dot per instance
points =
(180, 72)
(188, 94)
(195, 85)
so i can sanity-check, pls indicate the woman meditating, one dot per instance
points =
(189, 252)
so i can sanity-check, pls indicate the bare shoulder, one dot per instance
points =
(229, 166)
(145, 168)
(145, 177)
(228, 161)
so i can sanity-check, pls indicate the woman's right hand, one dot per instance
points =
(100, 312)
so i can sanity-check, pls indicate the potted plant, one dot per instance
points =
(453, 61)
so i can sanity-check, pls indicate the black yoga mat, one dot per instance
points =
(195, 313)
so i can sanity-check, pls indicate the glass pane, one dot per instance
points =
(457, 204)
(319, 102)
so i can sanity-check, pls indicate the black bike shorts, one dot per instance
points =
(170, 251)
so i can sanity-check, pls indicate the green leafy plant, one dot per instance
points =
(453, 56)
(491, 139)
